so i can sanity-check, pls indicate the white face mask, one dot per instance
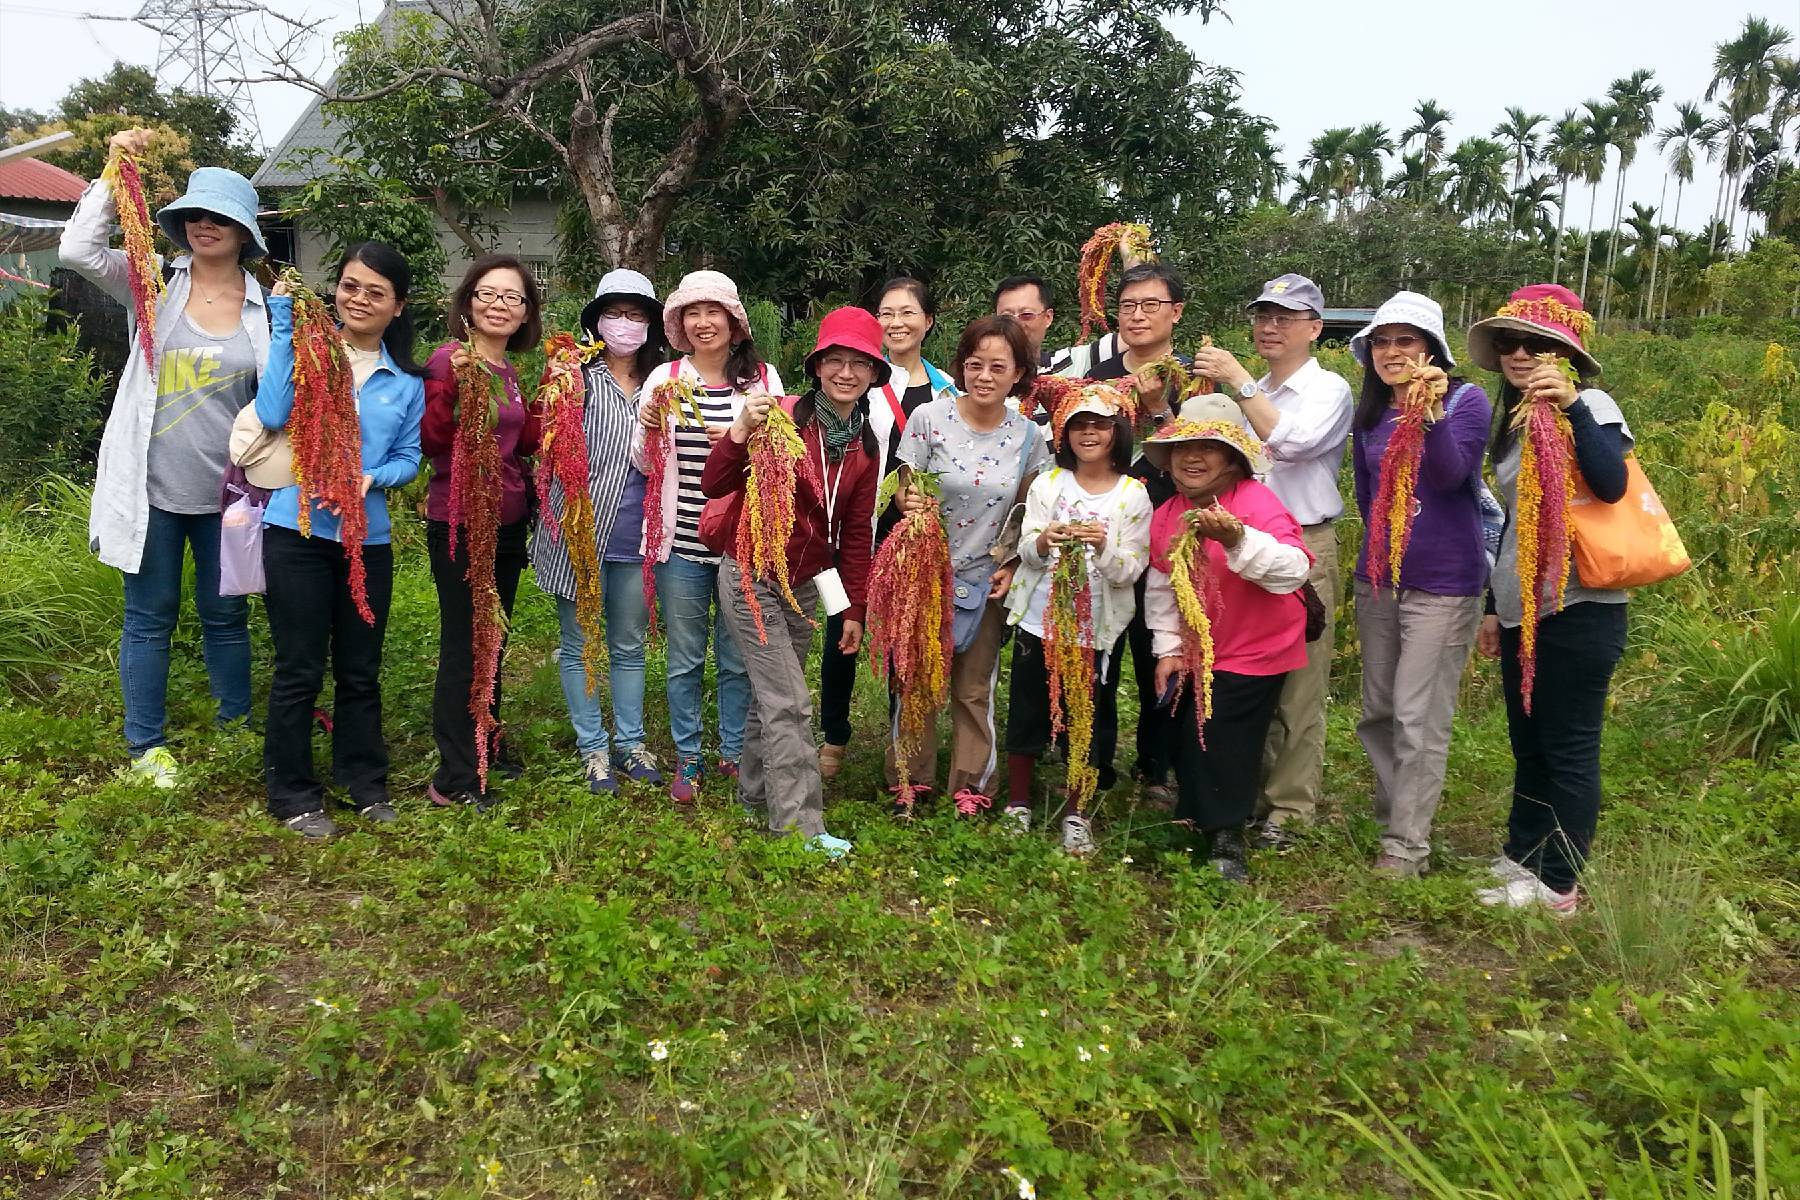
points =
(623, 335)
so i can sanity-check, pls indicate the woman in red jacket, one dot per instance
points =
(828, 557)
(494, 310)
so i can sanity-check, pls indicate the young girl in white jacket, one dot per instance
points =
(1086, 505)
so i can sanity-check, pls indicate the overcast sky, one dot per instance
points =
(1306, 64)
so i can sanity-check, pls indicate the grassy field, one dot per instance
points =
(591, 996)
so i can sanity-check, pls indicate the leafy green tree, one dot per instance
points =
(348, 204)
(1634, 100)
(127, 95)
(1431, 130)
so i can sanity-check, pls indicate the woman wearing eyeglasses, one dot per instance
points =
(626, 317)
(156, 493)
(1416, 638)
(494, 310)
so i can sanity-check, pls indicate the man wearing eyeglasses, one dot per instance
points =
(1030, 301)
(1302, 413)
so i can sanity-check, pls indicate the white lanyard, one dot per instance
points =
(830, 491)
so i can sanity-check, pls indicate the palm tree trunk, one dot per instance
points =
(1588, 254)
(1712, 232)
(1676, 225)
(1562, 211)
(1648, 300)
(1612, 245)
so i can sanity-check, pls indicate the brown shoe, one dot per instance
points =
(831, 759)
(1393, 866)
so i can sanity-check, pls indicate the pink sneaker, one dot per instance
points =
(905, 798)
(970, 802)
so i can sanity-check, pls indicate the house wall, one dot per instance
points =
(527, 229)
(32, 264)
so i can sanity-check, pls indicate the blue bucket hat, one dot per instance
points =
(215, 190)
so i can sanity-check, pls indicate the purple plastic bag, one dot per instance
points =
(240, 535)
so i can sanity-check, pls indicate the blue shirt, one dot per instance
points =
(389, 405)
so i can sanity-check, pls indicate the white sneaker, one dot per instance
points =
(1506, 870)
(157, 767)
(1016, 820)
(1530, 892)
(1077, 837)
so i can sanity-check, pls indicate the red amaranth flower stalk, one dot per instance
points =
(910, 617)
(1546, 490)
(677, 403)
(1391, 512)
(474, 507)
(326, 433)
(1197, 600)
(778, 463)
(1069, 659)
(1096, 259)
(561, 398)
(126, 177)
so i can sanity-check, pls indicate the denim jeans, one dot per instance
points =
(686, 591)
(626, 617)
(152, 606)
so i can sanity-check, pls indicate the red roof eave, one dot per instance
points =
(30, 179)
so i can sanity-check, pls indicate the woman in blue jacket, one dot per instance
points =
(311, 613)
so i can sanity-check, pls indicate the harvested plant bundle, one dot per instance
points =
(561, 398)
(910, 619)
(676, 403)
(475, 490)
(777, 464)
(1096, 260)
(1391, 514)
(1069, 660)
(325, 432)
(1546, 519)
(1048, 393)
(1171, 379)
(126, 178)
(1197, 602)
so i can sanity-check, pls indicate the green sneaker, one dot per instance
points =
(157, 767)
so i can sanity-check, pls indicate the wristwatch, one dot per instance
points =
(1248, 389)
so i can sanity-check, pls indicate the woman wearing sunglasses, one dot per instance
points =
(493, 312)
(1416, 637)
(1556, 746)
(163, 455)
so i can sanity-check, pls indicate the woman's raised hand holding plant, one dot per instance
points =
(750, 417)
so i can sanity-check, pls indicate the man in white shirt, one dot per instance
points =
(1302, 413)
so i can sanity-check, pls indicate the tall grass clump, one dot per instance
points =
(60, 607)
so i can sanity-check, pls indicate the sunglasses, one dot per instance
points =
(195, 216)
(1511, 343)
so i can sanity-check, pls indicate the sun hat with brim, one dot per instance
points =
(1406, 308)
(1545, 310)
(620, 284)
(1207, 419)
(266, 455)
(850, 328)
(215, 190)
(1099, 398)
(699, 286)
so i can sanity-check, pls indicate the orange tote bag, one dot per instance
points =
(1628, 544)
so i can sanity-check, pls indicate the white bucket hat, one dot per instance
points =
(1406, 308)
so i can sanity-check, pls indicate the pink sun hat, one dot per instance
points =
(696, 287)
(1545, 310)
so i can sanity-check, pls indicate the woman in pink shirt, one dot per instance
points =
(1255, 565)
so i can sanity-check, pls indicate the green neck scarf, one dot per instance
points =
(838, 432)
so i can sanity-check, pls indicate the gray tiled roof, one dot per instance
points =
(314, 130)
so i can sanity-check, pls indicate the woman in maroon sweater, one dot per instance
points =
(495, 309)
(828, 557)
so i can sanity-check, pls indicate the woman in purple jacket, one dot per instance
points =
(1416, 639)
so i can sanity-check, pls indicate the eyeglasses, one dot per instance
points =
(197, 215)
(1506, 344)
(1280, 319)
(636, 316)
(842, 361)
(1024, 316)
(1404, 342)
(352, 289)
(898, 314)
(487, 295)
(1148, 307)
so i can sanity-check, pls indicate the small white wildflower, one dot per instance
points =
(493, 1169)
(913, 903)
(1127, 859)
(322, 1002)
(949, 881)
(985, 921)
(1104, 1048)
(1018, 1043)
(912, 872)
(687, 1106)
(1106, 1029)
(1026, 1189)
(1081, 1052)
(1043, 1012)
(659, 1049)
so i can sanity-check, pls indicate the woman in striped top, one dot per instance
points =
(704, 319)
(626, 316)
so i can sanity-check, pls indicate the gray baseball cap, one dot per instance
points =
(1292, 291)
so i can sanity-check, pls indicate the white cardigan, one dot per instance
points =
(671, 482)
(120, 515)
(1124, 558)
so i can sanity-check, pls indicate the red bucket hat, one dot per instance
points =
(850, 328)
(1547, 310)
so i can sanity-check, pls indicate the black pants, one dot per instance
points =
(837, 685)
(1155, 731)
(1218, 785)
(451, 724)
(1028, 705)
(312, 616)
(1556, 750)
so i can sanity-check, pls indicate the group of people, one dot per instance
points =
(1228, 497)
